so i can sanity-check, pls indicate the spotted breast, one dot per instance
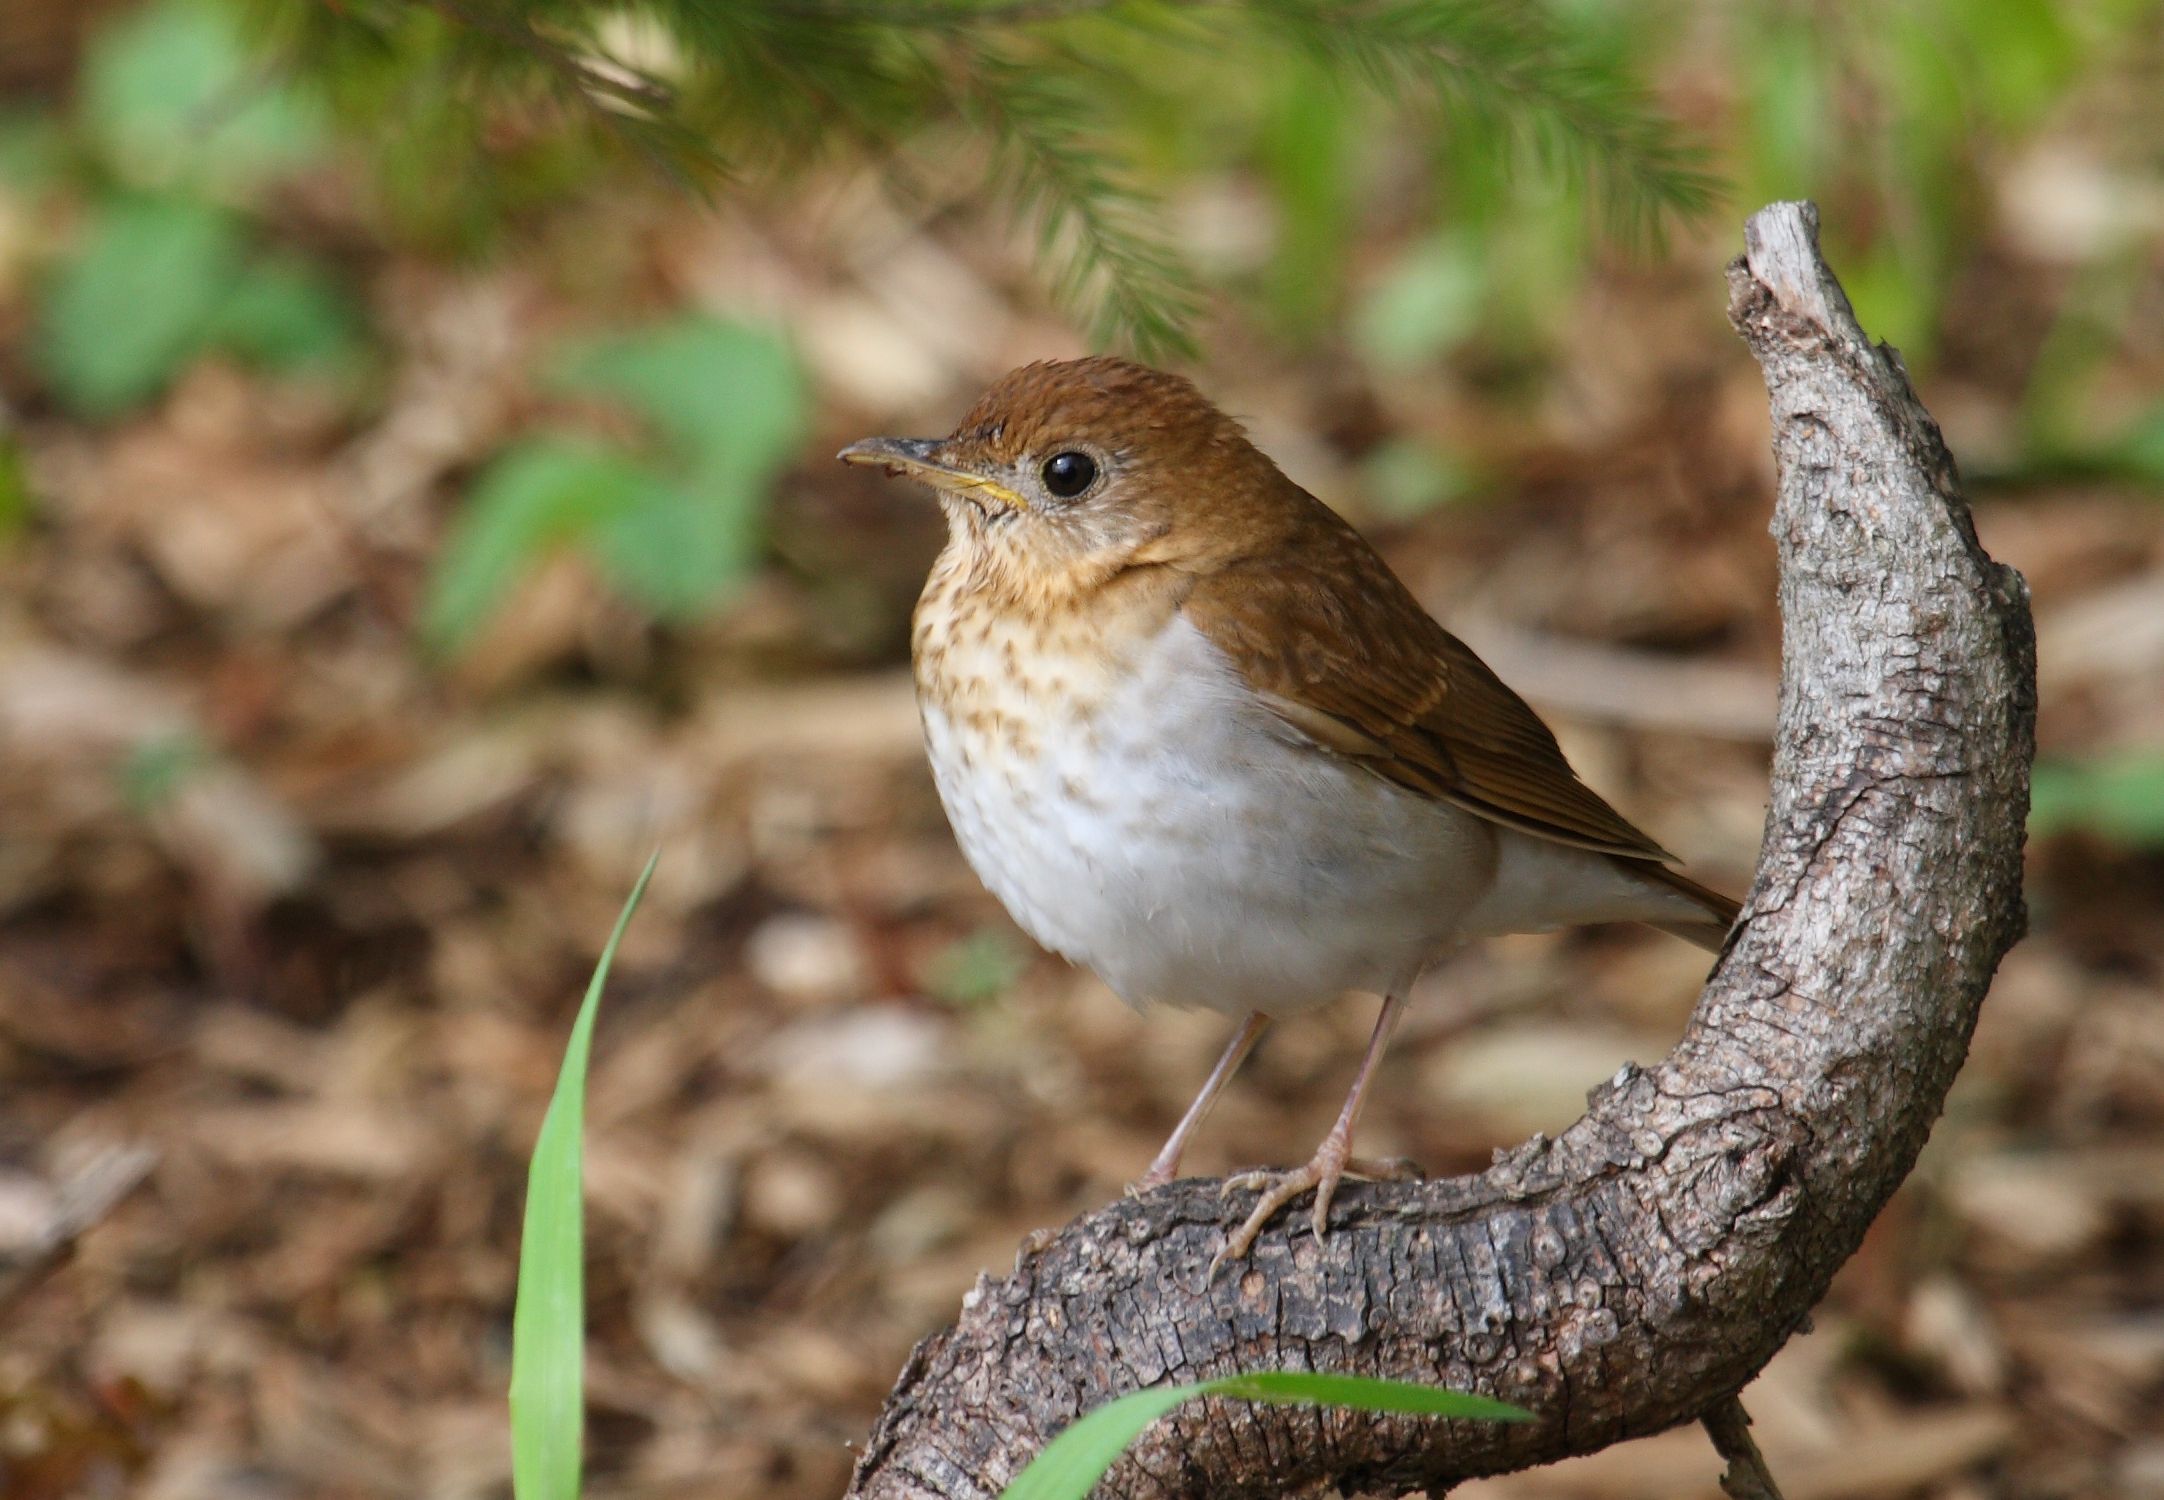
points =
(1116, 785)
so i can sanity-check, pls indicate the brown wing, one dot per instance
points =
(1340, 650)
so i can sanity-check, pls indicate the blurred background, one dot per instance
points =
(416, 502)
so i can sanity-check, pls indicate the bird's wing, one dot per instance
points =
(1329, 639)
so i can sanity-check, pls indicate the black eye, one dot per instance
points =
(1069, 474)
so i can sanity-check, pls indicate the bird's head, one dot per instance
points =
(1080, 468)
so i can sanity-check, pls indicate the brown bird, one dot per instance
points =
(1196, 735)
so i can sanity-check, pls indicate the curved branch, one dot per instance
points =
(1637, 1271)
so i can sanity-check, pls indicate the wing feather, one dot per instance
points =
(1338, 648)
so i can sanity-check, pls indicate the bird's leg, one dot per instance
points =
(1332, 1161)
(1168, 1159)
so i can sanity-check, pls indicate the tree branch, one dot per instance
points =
(1636, 1272)
(1746, 1477)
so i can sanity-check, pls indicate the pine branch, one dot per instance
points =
(1094, 227)
(944, 14)
(1508, 65)
(774, 81)
(501, 53)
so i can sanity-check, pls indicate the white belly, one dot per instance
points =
(1182, 845)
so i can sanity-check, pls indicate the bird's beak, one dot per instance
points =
(915, 458)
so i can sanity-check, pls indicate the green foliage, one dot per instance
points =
(1425, 304)
(14, 487)
(157, 768)
(1889, 115)
(1094, 227)
(33, 150)
(1541, 83)
(728, 400)
(548, 1324)
(2069, 426)
(1306, 152)
(1052, 95)
(170, 97)
(177, 126)
(287, 313)
(720, 409)
(159, 280)
(136, 301)
(2120, 798)
(976, 970)
(1072, 1463)
(2140, 450)
(1406, 477)
(542, 493)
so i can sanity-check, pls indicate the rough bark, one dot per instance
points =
(1637, 1271)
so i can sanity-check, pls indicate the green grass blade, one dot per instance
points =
(548, 1333)
(1362, 1393)
(1073, 1462)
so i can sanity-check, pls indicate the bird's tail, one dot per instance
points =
(1712, 932)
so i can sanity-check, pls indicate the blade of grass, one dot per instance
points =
(1072, 1463)
(548, 1325)
(1362, 1393)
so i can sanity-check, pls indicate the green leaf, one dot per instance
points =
(33, 150)
(287, 314)
(2121, 798)
(1072, 1463)
(977, 968)
(730, 405)
(1424, 306)
(1307, 157)
(678, 550)
(135, 303)
(14, 487)
(728, 399)
(1788, 122)
(1362, 1393)
(2017, 54)
(541, 494)
(2141, 452)
(1407, 477)
(1895, 299)
(156, 768)
(172, 97)
(548, 1325)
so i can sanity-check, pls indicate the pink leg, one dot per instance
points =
(1332, 1160)
(1168, 1160)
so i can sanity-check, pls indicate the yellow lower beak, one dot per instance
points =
(913, 458)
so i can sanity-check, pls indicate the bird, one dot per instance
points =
(1195, 735)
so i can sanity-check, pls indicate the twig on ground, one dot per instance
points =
(90, 1192)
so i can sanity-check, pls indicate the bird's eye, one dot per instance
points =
(1069, 474)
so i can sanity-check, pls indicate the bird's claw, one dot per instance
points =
(1323, 1174)
(1278, 1189)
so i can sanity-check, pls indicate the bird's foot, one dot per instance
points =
(1158, 1174)
(1155, 1177)
(1333, 1163)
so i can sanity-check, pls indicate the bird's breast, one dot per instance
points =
(1134, 809)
